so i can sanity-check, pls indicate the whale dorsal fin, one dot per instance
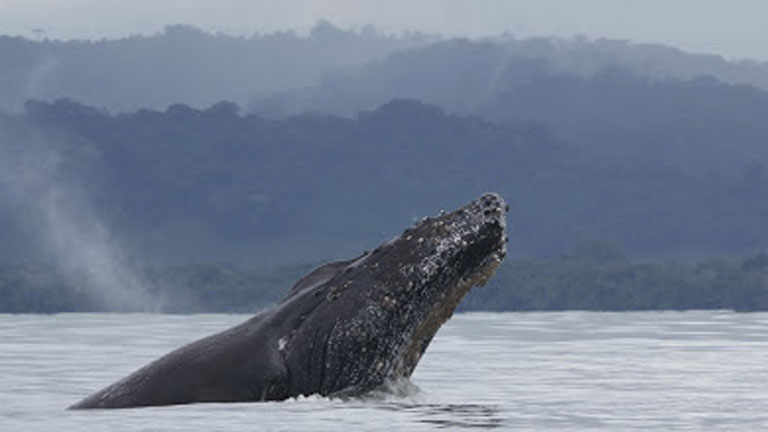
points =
(322, 274)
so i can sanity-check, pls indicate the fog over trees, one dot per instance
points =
(186, 65)
(182, 65)
(279, 151)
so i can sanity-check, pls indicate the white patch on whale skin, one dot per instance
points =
(281, 343)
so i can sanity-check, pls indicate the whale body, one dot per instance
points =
(343, 329)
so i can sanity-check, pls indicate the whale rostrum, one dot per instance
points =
(345, 328)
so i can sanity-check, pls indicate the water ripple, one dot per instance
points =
(535, 371)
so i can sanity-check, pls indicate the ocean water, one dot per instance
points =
(510, 371)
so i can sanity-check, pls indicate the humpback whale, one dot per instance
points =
(345, 328)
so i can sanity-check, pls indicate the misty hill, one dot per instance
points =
(458, 75)
(271, 71)
(461, 75)
(183, 64)
(702, 124)
(184, 184)
(586, 57)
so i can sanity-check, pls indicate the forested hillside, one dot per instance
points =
(213, 170)
(184, 64)
(187, 184)
(629, 118)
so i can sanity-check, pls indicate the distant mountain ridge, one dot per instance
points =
(626, 117)
(462, 75)
(182, 65)
(186, 65)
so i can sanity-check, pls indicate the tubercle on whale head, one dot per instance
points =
(387, 305)
(478, 227)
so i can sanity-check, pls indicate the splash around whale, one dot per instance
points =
(345, 328)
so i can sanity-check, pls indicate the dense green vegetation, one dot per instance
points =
(594, 277)
(205, 185)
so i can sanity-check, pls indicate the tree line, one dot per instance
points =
(588, 279)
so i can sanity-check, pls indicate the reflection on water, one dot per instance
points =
(535, 371)
(457, 415)
(405, 397)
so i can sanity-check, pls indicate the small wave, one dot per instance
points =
(403, 396)
(395, 390)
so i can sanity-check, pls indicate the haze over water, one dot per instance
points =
(532, 371)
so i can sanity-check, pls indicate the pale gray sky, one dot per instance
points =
(733, 28)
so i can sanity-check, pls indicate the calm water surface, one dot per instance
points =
(528, 371)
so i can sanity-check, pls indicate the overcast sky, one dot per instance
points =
(733, 28)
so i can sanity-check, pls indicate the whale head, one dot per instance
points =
(350, 326)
